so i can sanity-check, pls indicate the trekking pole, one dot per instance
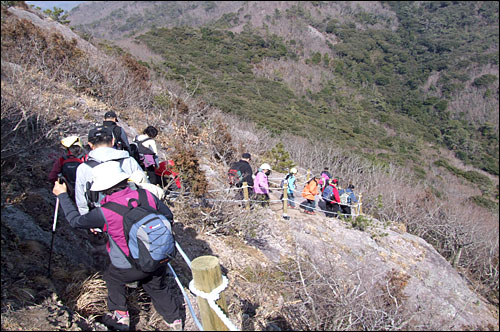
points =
(53, 229)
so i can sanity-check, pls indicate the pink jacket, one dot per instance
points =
(260, 184)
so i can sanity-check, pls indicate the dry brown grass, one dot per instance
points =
(90, 296)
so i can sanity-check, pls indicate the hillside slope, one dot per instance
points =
(308, 272)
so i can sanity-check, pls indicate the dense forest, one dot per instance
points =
(386, 70)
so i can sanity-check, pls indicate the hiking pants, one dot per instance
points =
(263, 199)
(240, 196)
(310, 205)
(346, 209)
(331, 207)
(153, 178)
(290, 199)
(162, 293)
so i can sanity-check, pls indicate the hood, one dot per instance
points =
(105, 154)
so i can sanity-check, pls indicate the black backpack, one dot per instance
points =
(68, 171)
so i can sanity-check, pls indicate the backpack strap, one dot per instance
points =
(142, 141)
(122, 209)
(92, 163)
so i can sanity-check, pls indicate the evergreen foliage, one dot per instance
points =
(279, 159)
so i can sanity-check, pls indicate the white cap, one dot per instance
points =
(106, 175)
(138, 177)
(293, 170)
(265, 166)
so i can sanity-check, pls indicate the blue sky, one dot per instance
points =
(66, 5)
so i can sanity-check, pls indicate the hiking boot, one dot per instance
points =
(311, 212)
(175, 326)
(117, 320)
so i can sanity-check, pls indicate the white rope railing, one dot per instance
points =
(211, 297)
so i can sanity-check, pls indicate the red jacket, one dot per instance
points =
(57, 167)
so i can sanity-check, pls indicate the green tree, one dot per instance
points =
(57, 15)
(279, 158)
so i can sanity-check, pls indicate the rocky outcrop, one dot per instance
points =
(428, 286)
(51, 25)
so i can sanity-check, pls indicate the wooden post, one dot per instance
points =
(207, 276)
(245, 194)
(285, 197)
(456, 259)
(308, 175)
(360, 209)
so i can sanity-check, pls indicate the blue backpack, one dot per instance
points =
(327, 193)
(148, 233)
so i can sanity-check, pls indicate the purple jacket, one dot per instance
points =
(110, 221)
(260, 184)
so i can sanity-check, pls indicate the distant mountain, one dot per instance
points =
(378, 76)
(66, 5)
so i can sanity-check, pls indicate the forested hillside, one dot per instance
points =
(386, 80)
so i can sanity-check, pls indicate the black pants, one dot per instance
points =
(162, 293)
(153, 178)
(331, 209)
(345, 209)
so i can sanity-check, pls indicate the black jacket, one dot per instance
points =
(119, 134)
(246, 170)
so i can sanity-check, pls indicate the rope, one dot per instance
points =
(211, 298)
(190, 306)
(183, 254)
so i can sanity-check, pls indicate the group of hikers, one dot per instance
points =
(337, 200)
(112, 189)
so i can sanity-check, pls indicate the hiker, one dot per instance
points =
(67, 164)
(245, 175)
(291, 180)
(101, 140)
(110, 179)
(325, 177)
(309, 192)
(121, 140)
(147, 153)
(166, 175)
(261, 184)
(347, 198)
(331, 198)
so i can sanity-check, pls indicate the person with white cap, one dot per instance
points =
(112, 182)
(67, 164)
(261, 184)
(100, 140)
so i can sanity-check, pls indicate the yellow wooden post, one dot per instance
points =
(207, 276)
(308, 175)
(360, 211)
(245, 194)
(285, 197)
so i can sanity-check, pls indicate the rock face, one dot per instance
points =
(428, 286)
(55, 26)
